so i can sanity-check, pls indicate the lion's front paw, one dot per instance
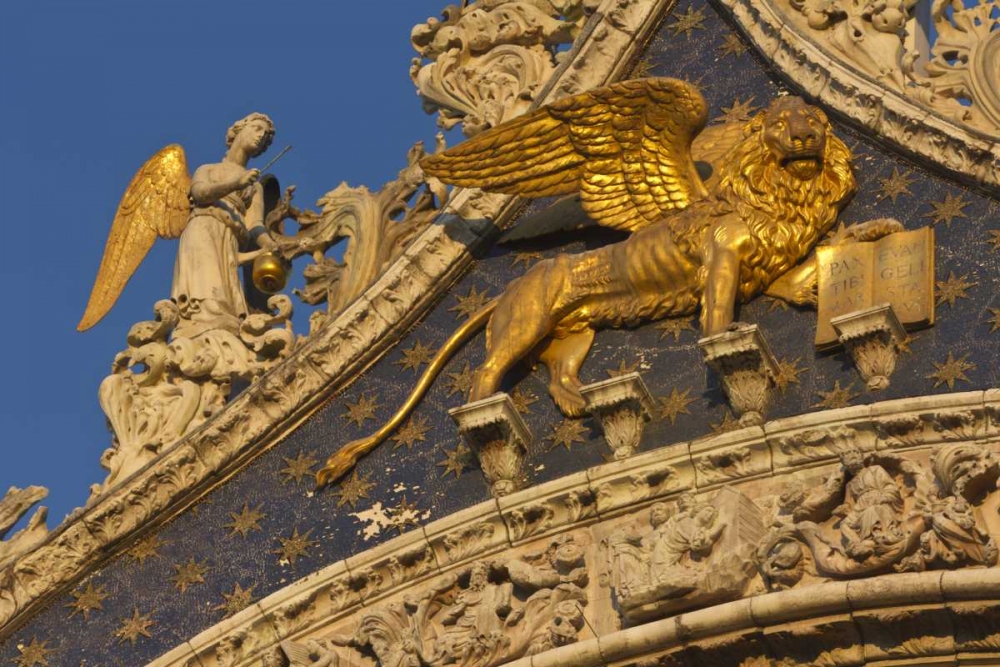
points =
(873, 230)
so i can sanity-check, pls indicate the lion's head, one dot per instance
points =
(788, 179)
(789, 151)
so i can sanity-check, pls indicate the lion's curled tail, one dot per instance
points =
(341, 462)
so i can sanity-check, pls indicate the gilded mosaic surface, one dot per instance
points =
(266, 527)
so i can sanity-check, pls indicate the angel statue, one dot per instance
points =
(214, 213)
(179, 368)
(717, 216)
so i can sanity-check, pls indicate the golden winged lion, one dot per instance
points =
(778, 182)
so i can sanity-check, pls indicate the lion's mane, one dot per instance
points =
(786, 215)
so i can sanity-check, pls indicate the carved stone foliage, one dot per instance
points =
(14, 505)
(698, 554)
(622, 406)
(160, 389)
(872, 337)
(376, 227)
(486, 614)
(746, 367)
(960, 80)
(882, 513)
(499, 437)
(963, 64)
(489, 59)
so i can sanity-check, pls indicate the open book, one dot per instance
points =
(897, 269)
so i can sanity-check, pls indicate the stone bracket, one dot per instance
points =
(622, 406)
(747, 368)
(495, 431)
(872, 337)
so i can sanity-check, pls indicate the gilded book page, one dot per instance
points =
(845, 279)
(897, 269)
(904, 266)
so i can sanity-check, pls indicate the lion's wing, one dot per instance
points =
(154, 205)
(626, 148)
(714, 146)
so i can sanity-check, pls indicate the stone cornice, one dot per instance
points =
(274, 405)
(613, 493)
(911, 127)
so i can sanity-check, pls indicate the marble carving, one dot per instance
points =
(486, 614)
(693, 554)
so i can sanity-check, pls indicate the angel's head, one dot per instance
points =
(256, 130)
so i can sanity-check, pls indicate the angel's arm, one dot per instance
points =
(208, 184)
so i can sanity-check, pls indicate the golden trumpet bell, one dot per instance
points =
(270, 272)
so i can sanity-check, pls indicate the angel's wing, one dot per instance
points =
(155, 204)
(626, 148)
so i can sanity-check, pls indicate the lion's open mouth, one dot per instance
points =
(803, 165)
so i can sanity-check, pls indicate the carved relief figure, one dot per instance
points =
(679, 562)
(780, 182)
(878, 513)
(490, 613)
(227, 213)
(872, 510)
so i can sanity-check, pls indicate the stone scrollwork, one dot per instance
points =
(699, 554)
(159, 389)
(488, 59)
(881, 513)
(967, 470)
(486, 614)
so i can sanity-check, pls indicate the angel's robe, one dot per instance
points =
(207, 287)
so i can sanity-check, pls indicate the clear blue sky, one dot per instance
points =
(88, 91)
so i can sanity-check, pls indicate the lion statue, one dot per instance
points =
(776, 186)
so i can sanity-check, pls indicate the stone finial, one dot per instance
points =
(748, 369)
(872, 337)
(14, 505)
(622, 406)
(496, 433)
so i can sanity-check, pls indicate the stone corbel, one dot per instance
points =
(747, 368)
(495, 431)
(872, 337)
(622, 406)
